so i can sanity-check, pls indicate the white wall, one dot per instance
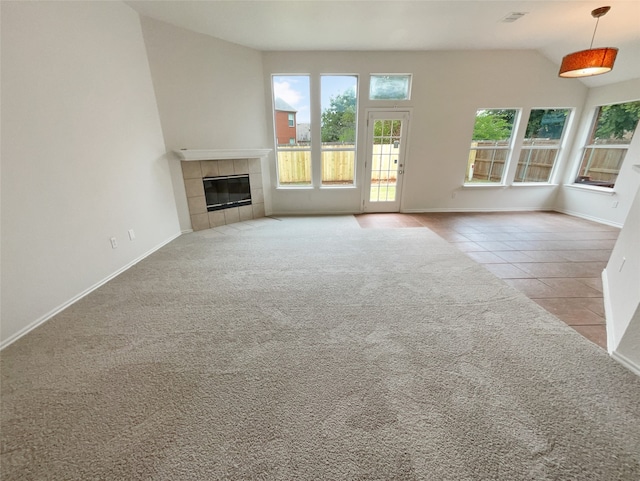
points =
(82, 154)
(448, 89)
(621, 281)
(628, 351)
(597, 204)
(209, 92)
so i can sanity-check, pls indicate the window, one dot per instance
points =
(338, 100)
(384, 169)
(291, 109)
(608, 143)
(490, 146)
(334, 159)
(390, 87)
(541, 145)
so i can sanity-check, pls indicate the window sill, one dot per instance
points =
(533, 184)
(483, 186)
(294, 187)
(331, 187)
(592, 188)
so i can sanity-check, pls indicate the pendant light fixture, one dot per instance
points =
(594, 61)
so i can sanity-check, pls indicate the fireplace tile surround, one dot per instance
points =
(194, 170)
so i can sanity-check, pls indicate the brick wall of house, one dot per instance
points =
(283, 131)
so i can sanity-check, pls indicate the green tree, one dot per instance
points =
(616, 121)
(546, 123)
(492, 125)
(507, 114)
(386, 131)
(339, 119)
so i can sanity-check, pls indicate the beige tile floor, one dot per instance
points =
(554, 259)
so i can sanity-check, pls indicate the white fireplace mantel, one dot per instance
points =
(220, 154)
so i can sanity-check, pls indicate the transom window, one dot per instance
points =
(606, 148)
(541, 145)
(490, 146)
(390, 87)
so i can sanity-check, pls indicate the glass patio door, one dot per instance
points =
(384, 168)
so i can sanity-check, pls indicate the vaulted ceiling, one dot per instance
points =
(554, 28)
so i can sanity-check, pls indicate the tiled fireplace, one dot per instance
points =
(200, 164)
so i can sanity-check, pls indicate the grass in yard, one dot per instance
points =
(383, 193)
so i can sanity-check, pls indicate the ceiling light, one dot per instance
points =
(594, 61)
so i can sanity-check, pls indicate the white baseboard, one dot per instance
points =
(315, 212)
(73, 300)
(415, 211)
(608, 313)
(626, 362)
(589, 217)
(475, 209)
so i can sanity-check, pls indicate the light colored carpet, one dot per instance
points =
(309, 348)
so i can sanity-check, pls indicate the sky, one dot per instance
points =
(294, 89)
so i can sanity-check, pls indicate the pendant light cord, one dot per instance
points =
(594, 33)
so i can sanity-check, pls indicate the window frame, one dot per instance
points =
(355, 139)
(396, 74)
(559, 147)
(309, 148)
(314, 148)
(509, 148)
(588, 144)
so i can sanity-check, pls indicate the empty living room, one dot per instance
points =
(320, 240)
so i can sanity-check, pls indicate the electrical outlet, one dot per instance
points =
(114, 243)
(132, 235)
(624, 259)
(614, 204)
(453, 194)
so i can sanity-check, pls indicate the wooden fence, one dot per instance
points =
(384, 163)
(534, 165)
(294, 166)
(338, 164)
(602, 165)
(486, 164)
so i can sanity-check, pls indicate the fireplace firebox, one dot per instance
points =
(226, 192)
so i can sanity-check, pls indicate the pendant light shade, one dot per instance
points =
(588, 62)
(594, 61)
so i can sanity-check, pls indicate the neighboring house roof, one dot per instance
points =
(284, 106)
